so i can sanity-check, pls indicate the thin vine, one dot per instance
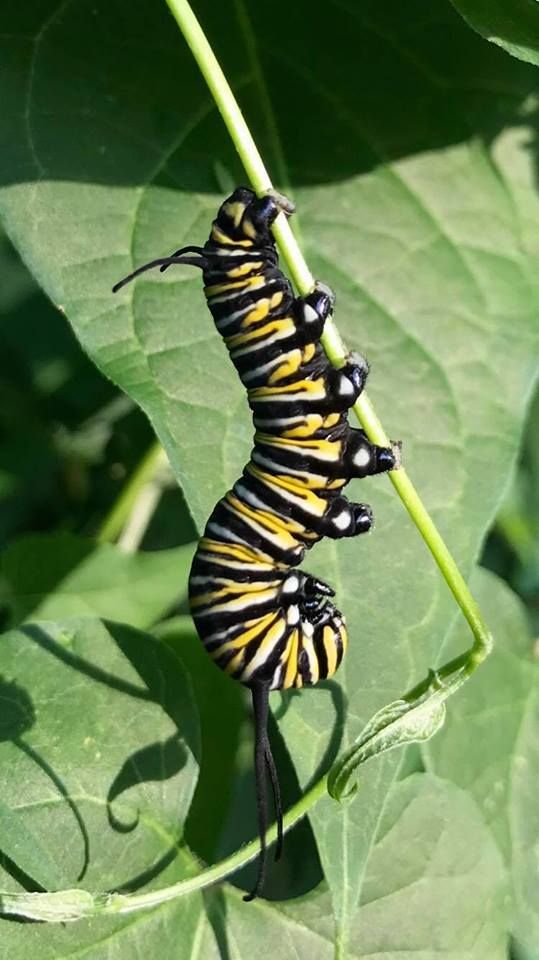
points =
(415, 717)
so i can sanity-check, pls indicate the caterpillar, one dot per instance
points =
(263, 621)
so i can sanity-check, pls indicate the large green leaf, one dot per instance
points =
(513, 24)
(407, 143)
(60, 575)
(489, 746)
(99, 735)
(434, 888)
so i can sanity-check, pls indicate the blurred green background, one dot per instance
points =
(57, 411)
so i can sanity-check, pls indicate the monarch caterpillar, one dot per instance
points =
(265, 623)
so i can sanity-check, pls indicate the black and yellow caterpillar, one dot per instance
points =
(264, 622)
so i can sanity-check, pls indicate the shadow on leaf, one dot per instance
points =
(157, 761)
(17, 717)
(40, 636)
(216, 913)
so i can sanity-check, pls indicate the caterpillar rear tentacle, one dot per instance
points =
(264, 761)
(265, 623)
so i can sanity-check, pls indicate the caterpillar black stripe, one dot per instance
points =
(266, 623)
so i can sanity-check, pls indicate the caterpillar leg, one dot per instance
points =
(312, 311)
(363, 458)
(304, 587)
(345, 519)
(347, 383)
(312, 587)
(313, 599)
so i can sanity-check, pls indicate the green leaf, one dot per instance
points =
(435, 888)
(18, 843)
(431, 847)
(517, 522)
(409, 901)
(512, 24)
(519, 952)
(398, 723)
(60, 575)
(99, 735)
(489, 746)
(217, 698)
(406, 141)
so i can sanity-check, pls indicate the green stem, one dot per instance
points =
(331, 339)
(119, 903)
(114, 522)
(71, 905)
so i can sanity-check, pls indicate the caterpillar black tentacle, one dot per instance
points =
(263, 759)
(163, 263)
(265, 623)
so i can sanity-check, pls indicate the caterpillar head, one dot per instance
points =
(244, 220)
(228, 226)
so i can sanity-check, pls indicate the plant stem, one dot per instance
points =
(143, 510)
(119, 903)
(114, 522)
(71, 905)
(331, 339)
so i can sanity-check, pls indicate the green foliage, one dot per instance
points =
(513, 548)
(409, 147)
(413, 892)
(100, 734)
(217, 697)
(59, 576)
(512, 24)
(489, 748)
